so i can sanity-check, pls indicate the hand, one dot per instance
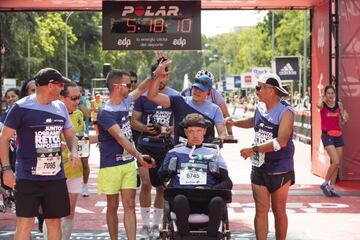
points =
(75, 160)
(151, 129)
(146, 161)
(9, 178)
(229, 121)
(247, 152)
(345, 116)
(163, 66)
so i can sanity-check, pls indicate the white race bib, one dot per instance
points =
(84, 148)
(193, 174)
(48, 165)
(258, 159)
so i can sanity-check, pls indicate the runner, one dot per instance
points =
(39, 120)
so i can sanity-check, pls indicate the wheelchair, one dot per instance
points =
(198, 223)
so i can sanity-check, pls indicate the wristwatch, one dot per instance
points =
(153, 75)
(255, 149)
(6, 168)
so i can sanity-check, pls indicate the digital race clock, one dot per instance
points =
(151, 25)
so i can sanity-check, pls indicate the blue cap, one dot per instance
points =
(203, 82)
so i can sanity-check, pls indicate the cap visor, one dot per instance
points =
(282, 91)
(201, 87)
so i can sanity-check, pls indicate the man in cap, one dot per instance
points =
(272, 154)
(196, 103)
(40, 181)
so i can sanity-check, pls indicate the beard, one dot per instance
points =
(162, 86)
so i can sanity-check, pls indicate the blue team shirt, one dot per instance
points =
(149, 109)
(182, 155)
(111, 152)
(214, 96)
(182, 106)
(266, 125)
(38, 128)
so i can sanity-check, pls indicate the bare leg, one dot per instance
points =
(278, 206)
(67, 223)
(53, 228)
(23, 228)
(86, 169)
(145, 190)
(159, 197)
(111, 215)
(261, 197)
(128, 201)
(334, 158)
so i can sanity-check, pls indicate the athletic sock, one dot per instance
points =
(158, 212)
(145, 215)
(67, 226)
(325, 183)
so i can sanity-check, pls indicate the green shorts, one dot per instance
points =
(112, 179)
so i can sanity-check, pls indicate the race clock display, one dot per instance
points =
(150, 25)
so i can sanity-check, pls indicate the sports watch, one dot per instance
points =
(6, 168)
(255, 149)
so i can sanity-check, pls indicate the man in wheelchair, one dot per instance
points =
(198, 181)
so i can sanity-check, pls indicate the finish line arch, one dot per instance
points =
(335, 58)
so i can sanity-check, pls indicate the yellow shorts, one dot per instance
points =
(112, 179)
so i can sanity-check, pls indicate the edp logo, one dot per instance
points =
(124, 42)
(179, 42)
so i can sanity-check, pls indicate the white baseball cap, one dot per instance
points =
(273, 80)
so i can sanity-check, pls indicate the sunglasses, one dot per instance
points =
(75, 98)
(202, 82)
(128, 85)
(258, 88)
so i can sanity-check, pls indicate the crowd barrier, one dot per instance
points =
(302, 123)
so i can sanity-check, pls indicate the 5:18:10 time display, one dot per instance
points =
(151, 25)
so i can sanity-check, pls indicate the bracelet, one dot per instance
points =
(6, 168)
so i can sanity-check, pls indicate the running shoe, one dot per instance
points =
(85, 191)
(325, 190)
(145, 232)
(155, 232)
(333, 193)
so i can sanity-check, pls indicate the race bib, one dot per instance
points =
(48, 165)
(261, 137)
(193, 174)
(258, 159)
(84, 148)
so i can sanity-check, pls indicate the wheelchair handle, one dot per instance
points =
(230, 141)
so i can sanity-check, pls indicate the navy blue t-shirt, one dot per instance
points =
(163, 116)
(38, 128)
(111, 152)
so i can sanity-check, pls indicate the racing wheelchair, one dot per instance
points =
(201, 207)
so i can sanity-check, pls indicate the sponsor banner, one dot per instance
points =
(230, 83)
(247, 80)
(320, 78)
(287, 67)
(9, 83)
(219, 86)
(257, 72)
(237, 81)
(349, 85)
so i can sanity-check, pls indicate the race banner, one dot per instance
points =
(288, 67)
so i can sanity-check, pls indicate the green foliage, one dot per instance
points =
(238, 52)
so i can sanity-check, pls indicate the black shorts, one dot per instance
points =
(272, 181)
(158, 154)
(52, 196)
(329, 140)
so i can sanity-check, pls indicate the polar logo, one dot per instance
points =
(321, 38)
(179, 42)
(147, 11)
(124, 42)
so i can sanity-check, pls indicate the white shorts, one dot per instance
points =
(74, 185)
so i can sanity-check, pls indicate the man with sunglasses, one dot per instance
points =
(272, 154)
(117, 153)
(155, 124)
(71, 98)
(196, 103)
(40, 181)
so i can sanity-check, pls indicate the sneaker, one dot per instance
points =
(145, 232)
(333, 193)
(85, 191)
(325, 190)
(155, 232)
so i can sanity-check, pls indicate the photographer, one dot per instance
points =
(154, 122)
